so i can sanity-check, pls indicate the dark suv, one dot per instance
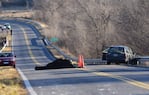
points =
(119, 54)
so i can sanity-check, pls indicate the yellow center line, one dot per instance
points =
(124, 79)
(29, 48)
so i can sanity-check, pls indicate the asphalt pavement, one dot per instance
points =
(91, 80)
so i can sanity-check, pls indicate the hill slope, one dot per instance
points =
(88, 26)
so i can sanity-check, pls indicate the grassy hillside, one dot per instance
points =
(88, 26)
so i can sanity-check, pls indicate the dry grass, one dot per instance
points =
(27, 14)
(10, 82)
(58, 55)
(55, 52)
(7, 49)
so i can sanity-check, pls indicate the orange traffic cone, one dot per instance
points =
(81, 61)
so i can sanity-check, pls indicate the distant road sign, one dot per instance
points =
(54, 39)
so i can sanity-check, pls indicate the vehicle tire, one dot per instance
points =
(108, 63)
(134, 62)
(11, 32)
(128, 62)
(117, 63)
(104, 56)
(137, 62)
(14, 66)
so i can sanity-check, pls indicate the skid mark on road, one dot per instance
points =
(124, 79)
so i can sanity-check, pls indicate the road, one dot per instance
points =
(91, 80)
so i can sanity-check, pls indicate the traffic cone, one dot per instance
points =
(81, 61)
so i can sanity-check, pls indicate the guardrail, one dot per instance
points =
(87, 61)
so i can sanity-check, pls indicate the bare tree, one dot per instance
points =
(89, 26)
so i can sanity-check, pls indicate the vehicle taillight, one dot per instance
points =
(12, 59)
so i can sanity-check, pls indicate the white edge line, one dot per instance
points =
(4, 46)
(27, 83)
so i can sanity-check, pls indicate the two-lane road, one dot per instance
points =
(92, 80)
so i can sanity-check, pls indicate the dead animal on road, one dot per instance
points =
(57, 64)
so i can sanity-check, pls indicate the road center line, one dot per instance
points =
(124, 79)
(26, 82)
(29, 48)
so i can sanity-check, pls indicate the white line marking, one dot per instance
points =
(27, 83)
(4, 46)
(25, 80)
(29, 48)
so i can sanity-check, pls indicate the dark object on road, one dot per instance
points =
(57, 64)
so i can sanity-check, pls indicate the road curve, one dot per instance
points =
(92, 80)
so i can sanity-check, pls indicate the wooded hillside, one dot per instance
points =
(89, 26)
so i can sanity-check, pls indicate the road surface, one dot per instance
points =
(91, 80)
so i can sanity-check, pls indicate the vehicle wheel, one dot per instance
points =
(134, 62)
(128, 62)
(108, 63)
(137, 62)
(11, 32)
(14, 66)
(117, 63)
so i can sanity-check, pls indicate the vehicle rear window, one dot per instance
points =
(116, 50)
(6, 55)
